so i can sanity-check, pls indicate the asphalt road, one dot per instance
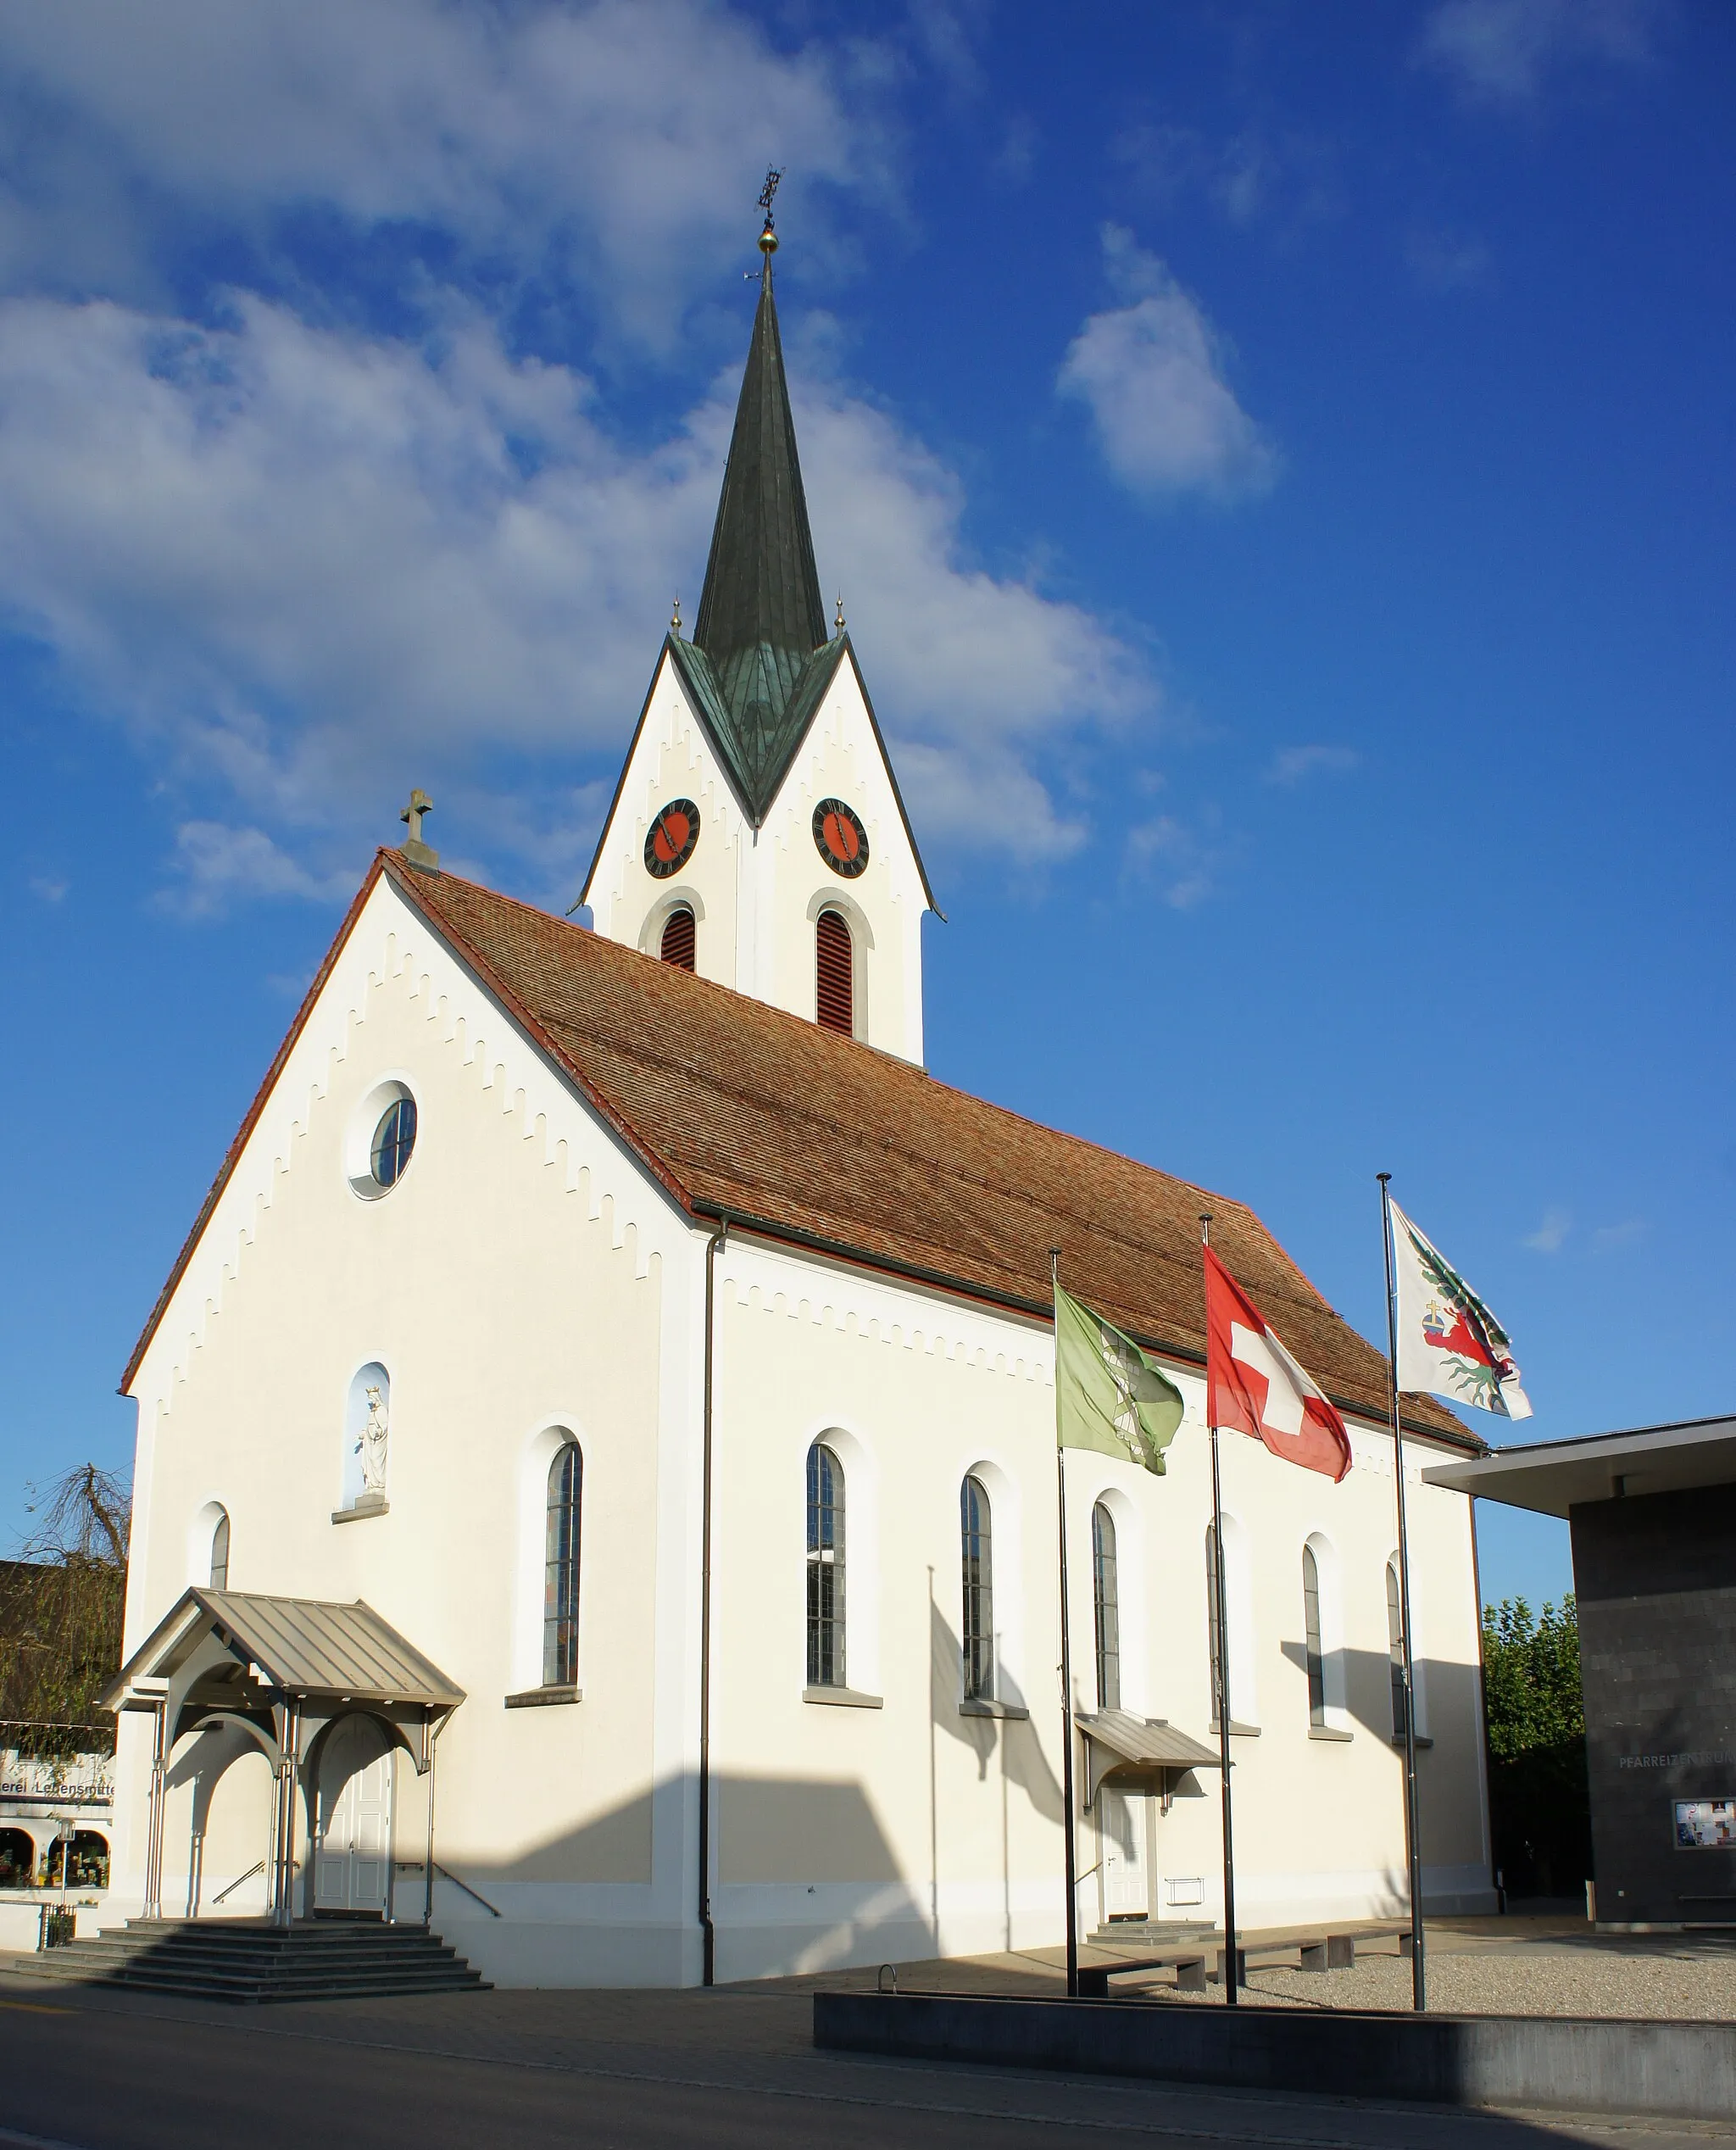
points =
(93, 2070)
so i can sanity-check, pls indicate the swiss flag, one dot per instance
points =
(1255, 1386)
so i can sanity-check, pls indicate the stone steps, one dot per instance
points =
(245, 1961)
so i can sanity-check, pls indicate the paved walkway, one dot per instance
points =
(90, 2069)
(1510, 1966)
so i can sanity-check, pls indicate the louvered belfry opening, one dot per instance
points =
(838, 994)
(679, 937)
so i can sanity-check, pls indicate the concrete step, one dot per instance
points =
(1150, 1933)
(249, 1961)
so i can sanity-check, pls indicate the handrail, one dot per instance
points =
(258, 1867)
(457, 1883)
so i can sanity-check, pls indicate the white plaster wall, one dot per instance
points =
(853, 1834)
(755, 892)
(524, 1273)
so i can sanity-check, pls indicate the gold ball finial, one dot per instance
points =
(768, 239)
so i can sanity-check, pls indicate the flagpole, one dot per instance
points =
(1413, 1848)
(1232, 1961)
(1060, 1479)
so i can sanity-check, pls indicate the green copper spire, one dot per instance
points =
(762, 621)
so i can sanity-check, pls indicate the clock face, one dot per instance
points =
(673, 834)
(840, 837)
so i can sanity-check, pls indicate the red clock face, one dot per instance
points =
(673, 834)
(840, 837)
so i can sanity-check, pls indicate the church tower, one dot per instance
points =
(757, 834)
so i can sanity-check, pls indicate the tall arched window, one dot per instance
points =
(835, 999)
(1106, 1604)
(1211, 1623)
(1395, 1648)
(1310, 1631)
(560, 1570)
(978, 1634)
(679, 939)
(220, 1551)
(825, 1568)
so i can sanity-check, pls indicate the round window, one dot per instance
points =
(393, 1140)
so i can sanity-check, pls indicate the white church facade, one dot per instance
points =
(596, 1480)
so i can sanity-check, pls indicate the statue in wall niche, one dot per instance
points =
(370, 1444)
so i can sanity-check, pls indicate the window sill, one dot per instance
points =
(374, 1506)
(981, 1706)
(1236, 1732)
(1328, 1732)
(544, 1697)
(1422, 1740)
(842, 1698)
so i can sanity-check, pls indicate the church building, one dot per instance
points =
(596, 1475)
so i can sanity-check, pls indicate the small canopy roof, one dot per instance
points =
(1138, 1754)
(1551, 1477)
(296, 1646)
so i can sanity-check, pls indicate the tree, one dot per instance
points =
(61, 1610)
(1539, 1802)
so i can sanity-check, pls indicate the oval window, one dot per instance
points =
(393, 1140)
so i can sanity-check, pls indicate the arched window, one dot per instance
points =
(679, 938)
(18, 1859)
(220, 1551)
(1395, 1648)
(89, 1865)
(979, 1633)
(837, 993)
(1106, 1604)
(826, 1567)
(560, 1570)
(1212, 1606)
(1310, 1630)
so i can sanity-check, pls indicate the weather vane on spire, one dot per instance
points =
(768, 193)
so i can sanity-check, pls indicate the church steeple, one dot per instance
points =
(757, 835)
(761, 622)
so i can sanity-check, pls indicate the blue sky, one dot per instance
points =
(1277, 459)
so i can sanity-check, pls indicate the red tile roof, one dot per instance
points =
(744, 1110)
(740, 1110)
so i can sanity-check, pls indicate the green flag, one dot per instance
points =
(1108, 1396)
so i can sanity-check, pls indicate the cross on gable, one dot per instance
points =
(414, 849)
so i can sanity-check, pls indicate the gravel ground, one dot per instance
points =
(1557, 1982)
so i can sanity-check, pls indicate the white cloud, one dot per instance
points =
(1292, 766)
(1248, 177)
(1609, 1236)
(307, 561)
(1502, 49)
(624, 137)
(1183, 862)
(1550, 1236)
(307, 567)
(1152, 373)
(49, 888)
(214, 864)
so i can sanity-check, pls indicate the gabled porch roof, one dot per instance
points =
(297, 1647)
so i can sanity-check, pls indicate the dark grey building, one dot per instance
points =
(1653, 1516)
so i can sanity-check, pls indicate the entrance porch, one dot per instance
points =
(286, 1719)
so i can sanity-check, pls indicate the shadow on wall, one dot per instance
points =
(1022, 1760)
(1448, 1691)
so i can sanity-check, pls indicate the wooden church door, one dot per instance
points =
(354, 1855)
